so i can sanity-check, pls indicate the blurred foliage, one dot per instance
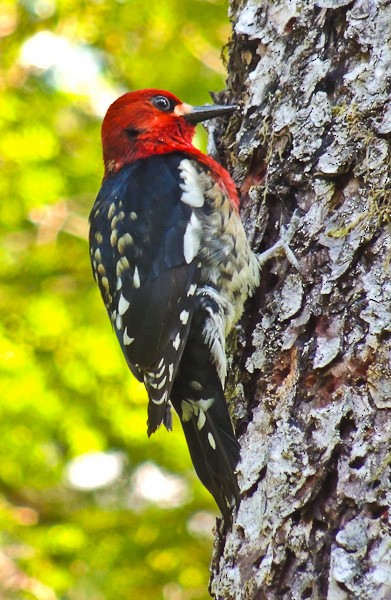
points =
(64, 387)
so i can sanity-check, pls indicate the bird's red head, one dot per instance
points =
(147, 122)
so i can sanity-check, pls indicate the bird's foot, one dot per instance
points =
(281, 247)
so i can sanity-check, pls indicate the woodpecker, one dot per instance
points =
(174, 267)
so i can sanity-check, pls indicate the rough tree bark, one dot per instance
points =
(310, 383)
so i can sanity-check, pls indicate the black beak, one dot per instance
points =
(203, 113)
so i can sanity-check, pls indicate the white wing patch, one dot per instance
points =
(191, 239)
(192, 289)
(193, 194)
(124, 240)
(184, 316)
(126, 339)
(171, 371)
(177, 342)
(123, 305)
(158, 385)
(136, 278)
(212, 441)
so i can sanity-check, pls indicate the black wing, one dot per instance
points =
(138, 226)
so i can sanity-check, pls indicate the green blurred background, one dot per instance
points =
(90, 509)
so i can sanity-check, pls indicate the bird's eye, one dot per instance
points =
(162, 103)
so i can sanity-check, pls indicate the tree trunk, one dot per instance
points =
(310, 383)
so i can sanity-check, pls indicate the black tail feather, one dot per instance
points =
(215, 464)
(198, 398)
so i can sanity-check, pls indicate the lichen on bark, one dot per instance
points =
(311, 366)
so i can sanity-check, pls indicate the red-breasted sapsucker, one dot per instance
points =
(174, 268)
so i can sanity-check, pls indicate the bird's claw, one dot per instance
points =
(281, 247)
